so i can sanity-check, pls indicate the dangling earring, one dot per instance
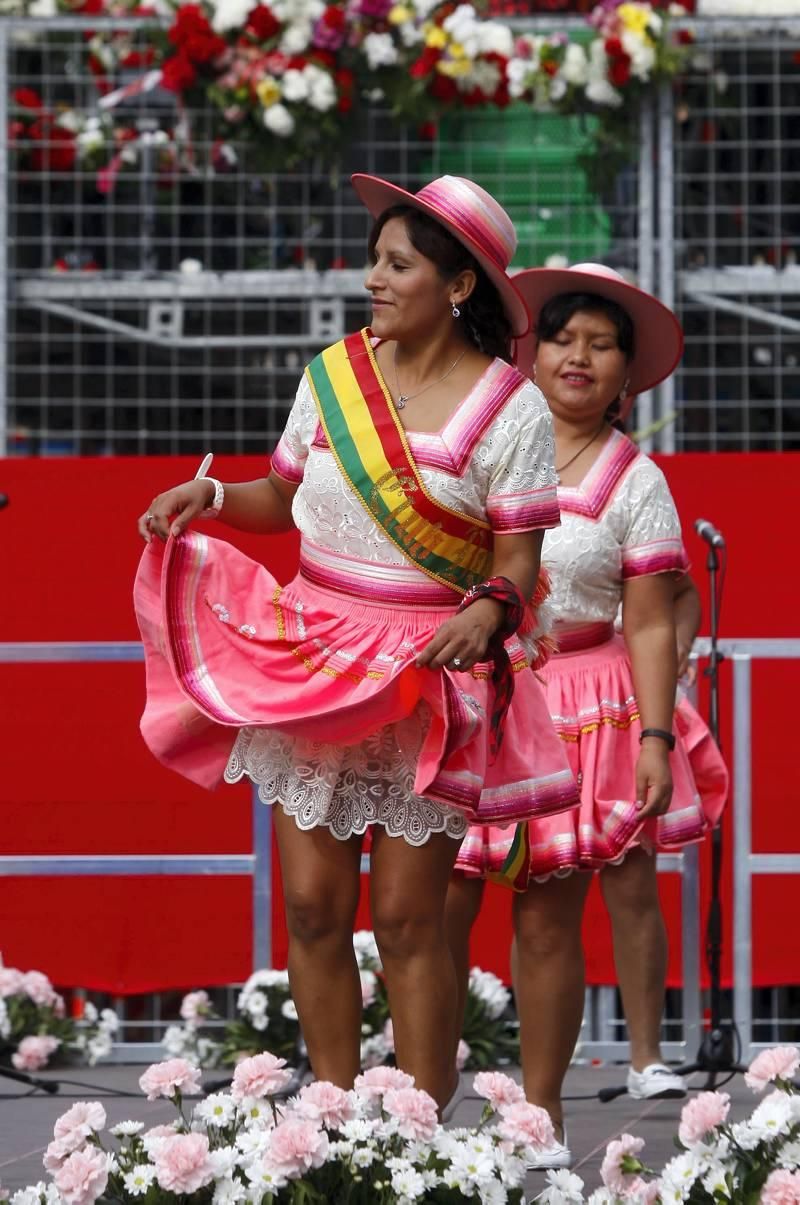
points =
(456, 310)
(533, 373)
(623, 393)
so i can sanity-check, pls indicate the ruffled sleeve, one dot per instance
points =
(652, 542)
(522, 489)
(291, 452)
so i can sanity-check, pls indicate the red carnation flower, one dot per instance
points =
(427, 131)
(139, 58)
(262, 23)
(324, 57)
(334, 17)
(56, 150)
(443, 88)
(614, 48)
(685, 37)
(425, 63)
(550, 67)
(345, 103)
(27, 98)
(620, 71)
(178, 74)
(344, 78)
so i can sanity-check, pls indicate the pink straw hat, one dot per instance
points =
(471, 215)
(658, 338)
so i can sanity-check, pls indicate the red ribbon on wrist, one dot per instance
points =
(502, 590)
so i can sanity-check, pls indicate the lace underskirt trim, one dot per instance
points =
(569, 870)
(346, 788)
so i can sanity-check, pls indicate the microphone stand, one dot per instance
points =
(717, 1051)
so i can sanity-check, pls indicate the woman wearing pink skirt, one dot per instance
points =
(650, 777)
(374, 691)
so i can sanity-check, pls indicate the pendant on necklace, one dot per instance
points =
(401, 401)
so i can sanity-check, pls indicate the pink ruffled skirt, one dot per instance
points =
(245, 676)
(591, 699)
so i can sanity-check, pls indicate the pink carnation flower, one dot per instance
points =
(75, 1126)
(413, 1111)
(34, 1051)
(56, 1153)
(462, 1054)
(82, 1178)
(780, 1062)
(782, 1187)
(194, 1006)
(182, 1163)
(170, 1077)
(260, 1076)
(525, 1124)
(10, 981)
(375, 1082)
(704, 1113)
(326, 1104)
(38, 988)
(295, 1146)
(612, 1173)
(497, 1088)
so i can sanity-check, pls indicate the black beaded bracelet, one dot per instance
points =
(662, 735)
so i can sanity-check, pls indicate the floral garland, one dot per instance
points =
(287, 78)
(268, 1021)
(381, 1144)
(34, 1027)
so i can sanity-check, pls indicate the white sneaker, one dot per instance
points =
(556, 1155)
(656, 1082)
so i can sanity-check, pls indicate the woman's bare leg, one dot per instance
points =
(464, 899)
(549, 984)
(408, 886)
(321, 881)
(630, 891)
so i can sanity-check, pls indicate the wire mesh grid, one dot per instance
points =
(167, 303)
(737, 227)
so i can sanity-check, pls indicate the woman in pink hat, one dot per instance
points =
(650, 776)
(374, 692)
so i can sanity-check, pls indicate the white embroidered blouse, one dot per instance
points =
(620, 522)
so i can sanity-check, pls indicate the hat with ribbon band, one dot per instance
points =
(658, 338)
(469, 213)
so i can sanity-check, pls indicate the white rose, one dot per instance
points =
(496, 39)
(230, 14)
(296, 39)
(294, 85)
(600, 92)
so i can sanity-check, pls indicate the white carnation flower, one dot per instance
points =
(5, 1023)
(296, 38)
(496, 38)
(230, 14)
(575, 67)
(294, 85)
(601, 92)
(380, 50)
(490, 990)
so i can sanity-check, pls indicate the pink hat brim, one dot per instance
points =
(658, 337)
(379, 195)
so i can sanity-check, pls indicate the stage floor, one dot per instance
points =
(26, 1124)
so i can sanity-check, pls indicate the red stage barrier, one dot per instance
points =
(77, 778)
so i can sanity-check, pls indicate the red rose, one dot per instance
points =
(427, 131)
(139, 58)
(194, 37)
(550, 67)
(501, 97)
(344, 78)
(262, 23)
(91, 7)
(178, 74)
(202, 48)
(613, 48)
(620, 71)
(344, 104)
(27, 98)
(16, 130)
(297, 62)
(425, 63)
(474, 98)
(685, 37)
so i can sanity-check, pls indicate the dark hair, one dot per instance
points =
(556, 313)
(486, 324)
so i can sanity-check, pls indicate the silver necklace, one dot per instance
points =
(402, 398)
(560, 468)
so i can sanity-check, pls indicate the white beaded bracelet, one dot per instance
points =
(213, 510)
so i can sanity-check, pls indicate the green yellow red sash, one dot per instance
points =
(367, 439)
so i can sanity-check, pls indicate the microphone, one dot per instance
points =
(708, 532)
(3, 500)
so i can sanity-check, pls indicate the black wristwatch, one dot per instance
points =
(662, 735)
